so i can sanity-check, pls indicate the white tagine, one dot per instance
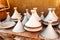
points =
(15, 14)
(53, 12)
(49, 32)
(27, 14)
(8, 17)
(8, 23)
(18, 27)
(25, 19)
(51, 16)
(36, 15)
(33, 24)
(42, 16)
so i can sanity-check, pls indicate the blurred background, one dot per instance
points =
(42, 5)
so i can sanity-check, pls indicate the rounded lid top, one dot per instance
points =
(26, 10)
(24, 14)
(19, 18)
(32, 11)
(42, 12)
(35, 8)
(54, 8)
(15, 7)
(7, 12)
(49, 8)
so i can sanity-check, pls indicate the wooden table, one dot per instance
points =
(7, 34)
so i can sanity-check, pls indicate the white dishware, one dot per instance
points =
(42, 16)
(33, 29)
(8, 18)
(51, 16)
(34, 11)
(53, 12)
(49, 32)
(52, 23)
(33, 22)
(19, 26)
(27, 14)
(7, 24)
(15, 14)
(25, 19)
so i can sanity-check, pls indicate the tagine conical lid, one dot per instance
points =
(15, 14)
(50, 16)
(25, 19)
(27, 14)
(53, 12)
(36, 15)
(49, 32)
(8, 17)
(42, 16)
(18, 27)
(33, 22)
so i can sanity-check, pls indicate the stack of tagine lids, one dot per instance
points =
(33, 24)
(36, 15)
(26, 17)
(18, 28)
(8, 23)
(51, 17)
